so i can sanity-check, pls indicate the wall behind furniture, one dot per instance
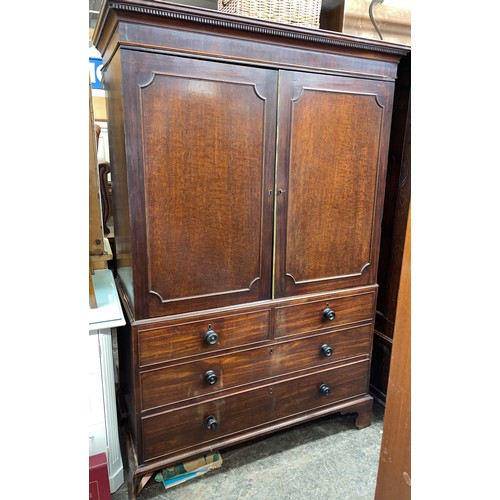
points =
(393, 18)
(206, 4)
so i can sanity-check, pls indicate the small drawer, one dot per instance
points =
(184, 381)
(328, 313)
(195, 425)
(211, 334)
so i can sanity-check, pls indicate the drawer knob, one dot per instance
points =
(211, 337)
(326, 350)
(211, 423)
(329, 314)
(210, 377)
(324, 389)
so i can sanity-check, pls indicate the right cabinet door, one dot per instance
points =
(332, 154)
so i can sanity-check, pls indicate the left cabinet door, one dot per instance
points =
(200, 153)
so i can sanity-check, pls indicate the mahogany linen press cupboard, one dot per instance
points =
(248, 171)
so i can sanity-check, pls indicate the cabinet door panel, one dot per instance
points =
(205, 135)
(331, 160)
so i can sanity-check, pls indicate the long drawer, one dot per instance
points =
(213, 374)
(296, 319)
(206, 336)
(212, 420)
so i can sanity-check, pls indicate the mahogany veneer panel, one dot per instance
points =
(332, 244)
(203, 145)
(184, 381)
(184, 339)
(170, 431)
(297, 319)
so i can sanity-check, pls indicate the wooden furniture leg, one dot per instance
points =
(136, 482)
(364, 418)
(363, 409)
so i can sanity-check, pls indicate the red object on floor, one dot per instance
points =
(98, 478)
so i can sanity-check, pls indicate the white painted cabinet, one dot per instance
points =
(103, 420)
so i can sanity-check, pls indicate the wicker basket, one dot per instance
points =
(296, 12)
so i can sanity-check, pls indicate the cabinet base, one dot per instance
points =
(139, 475)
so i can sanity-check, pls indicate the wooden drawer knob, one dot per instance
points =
(210, 377)
(211, 337)
(324, 389)
(329, 314)
(211, 423)
(326, 350)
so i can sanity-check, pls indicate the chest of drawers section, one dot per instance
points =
(213, 379)
(218, 422)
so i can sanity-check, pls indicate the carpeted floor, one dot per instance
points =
(328, 459)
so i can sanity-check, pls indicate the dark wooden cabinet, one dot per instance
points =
(394, 222)
(248, 164)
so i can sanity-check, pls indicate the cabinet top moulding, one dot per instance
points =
(138, 24)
